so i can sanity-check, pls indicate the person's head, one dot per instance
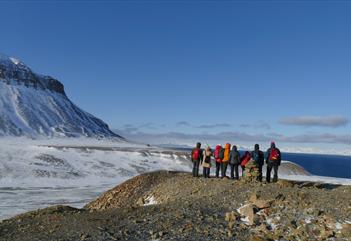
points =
(272, 144)
(208, 148)
(257, 147)
(198, 145)
(227, 146)
(235, 148)
(247, 153)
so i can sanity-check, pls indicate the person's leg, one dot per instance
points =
(259, 178)
(222, 169)
(194, 168)
(268, 174)
(204, 172)
(197, 168)
(236, 168)
(242, 171)
(275, 177)
(232, 171)
(225, 168)
(218, 167)
(208, 172)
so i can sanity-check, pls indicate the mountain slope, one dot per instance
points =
(36, 105)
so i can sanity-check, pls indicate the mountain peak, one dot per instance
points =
(15, 72)
(32, 104)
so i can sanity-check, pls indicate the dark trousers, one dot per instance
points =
(271, 166)
(259, 178)
(218, 168)
(242, 170)
(224, 166)
(196, 165)
(234, 169)
(206, 172)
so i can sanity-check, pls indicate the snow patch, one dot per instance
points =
(150, 200)
(338, 226)
(15, 61)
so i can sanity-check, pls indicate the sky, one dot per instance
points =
(242, 71)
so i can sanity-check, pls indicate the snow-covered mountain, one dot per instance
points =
(36, 105)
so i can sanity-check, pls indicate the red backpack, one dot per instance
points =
(216, 153)
(274, 155)
(196, 154)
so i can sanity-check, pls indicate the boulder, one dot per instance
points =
(249, 212)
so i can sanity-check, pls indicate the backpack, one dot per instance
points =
(221, 154)
(216, 153)
(255, 156)
(196, 154)
(274, 156)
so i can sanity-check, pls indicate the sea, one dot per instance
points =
(322, 165)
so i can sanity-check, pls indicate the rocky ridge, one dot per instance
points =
(175, 206)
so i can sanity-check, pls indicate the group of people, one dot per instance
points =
(224, 156)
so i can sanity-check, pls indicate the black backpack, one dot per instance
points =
(221, 154)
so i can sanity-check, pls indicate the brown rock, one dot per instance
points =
(285, 183)
(263, 228)
(346, 230)
(253, 198)
(231, 216)
(248, 212)
(262, 204)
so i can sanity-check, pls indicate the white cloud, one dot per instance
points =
(310, 121)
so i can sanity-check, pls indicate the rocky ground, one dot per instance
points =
(175, 206)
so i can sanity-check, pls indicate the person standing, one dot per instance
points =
(206, 163)
(217, 159)
(234, 161)
(196, 157)
(225, 160)
(273, 161)
(258, 157)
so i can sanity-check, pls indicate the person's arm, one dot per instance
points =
(280, 157)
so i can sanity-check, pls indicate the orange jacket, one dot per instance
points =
(226, 152)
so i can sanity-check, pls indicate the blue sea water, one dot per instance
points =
(322, 165)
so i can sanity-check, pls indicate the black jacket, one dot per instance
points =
(258, 157)
(234, 157)
(278, 161)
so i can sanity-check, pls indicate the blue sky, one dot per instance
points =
(257, 68)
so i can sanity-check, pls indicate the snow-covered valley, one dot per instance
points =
(43, 172)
